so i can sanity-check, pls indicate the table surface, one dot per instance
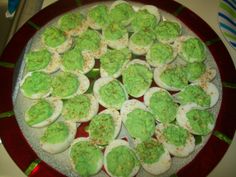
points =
(207, 10)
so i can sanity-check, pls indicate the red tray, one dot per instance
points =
(200, 166)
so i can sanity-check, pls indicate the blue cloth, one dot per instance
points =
(12, 5)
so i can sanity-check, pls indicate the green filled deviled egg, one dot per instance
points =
(73, 24)
(141, 41)
(66, 85)
(171, 77)
(91, 42)
(121, 12)
(161, 104)
(113, 62)
(137, 77)
(146, 18)
(153, 156)
(97, 17)
(86, 158)
(195, 120)
(204, 95)
(116, 36)
(42, 60)
(76, 61)
(168, 31)
(191, 49)
(43, 112)
(80, 108)
(177, 140)
(109, 92)
(105, 127)
(160, 54)
(58, 136)
(120, 159)
(55, 40)
(36, 85)
(137, 119)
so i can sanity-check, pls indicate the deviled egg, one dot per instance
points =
(76, 61)
(73, 24)
(42, 60)
(91, 42)
(80, 108)
(192, 49)
(204, 95)
(177, 140)
(97, 17)
(86, 158)
(43, 112)
(120, 159)
(113, 62)
(161, 104)
(56, 40)
(153, 156)
(160, 54)
(121, 12)
(58, 137)
(139, 122)
(36, 85)
(171, 77)
(66, 85)
(137, 77)
(146, 18)
(109, 92)
(195, 120)
(168, 31)
(116, 36)
(105, 127)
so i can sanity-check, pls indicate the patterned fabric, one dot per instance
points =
(227, 20)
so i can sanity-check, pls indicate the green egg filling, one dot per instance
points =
(37, 83)
(193, 50)
(163, 107)
(150, 151)
(71, 21)
(194, 94)
(73, 60)
(86, 158)
(102, 129)
(55, 133)
(175, 135)
(121, 13)
(195, 70)
(114, 31)
(167, 30)
(99, 15)
(64, 84)
(89, 40)
(53, 37)
(200, 120)
(175, 77)
(113, 94)
(113, 60)
(140, 124)
(38, 60)
(161, 53)
(39, 112)
(76, 108)
(137, 78)
(143, 20)
(142, 38)
(121, 161)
